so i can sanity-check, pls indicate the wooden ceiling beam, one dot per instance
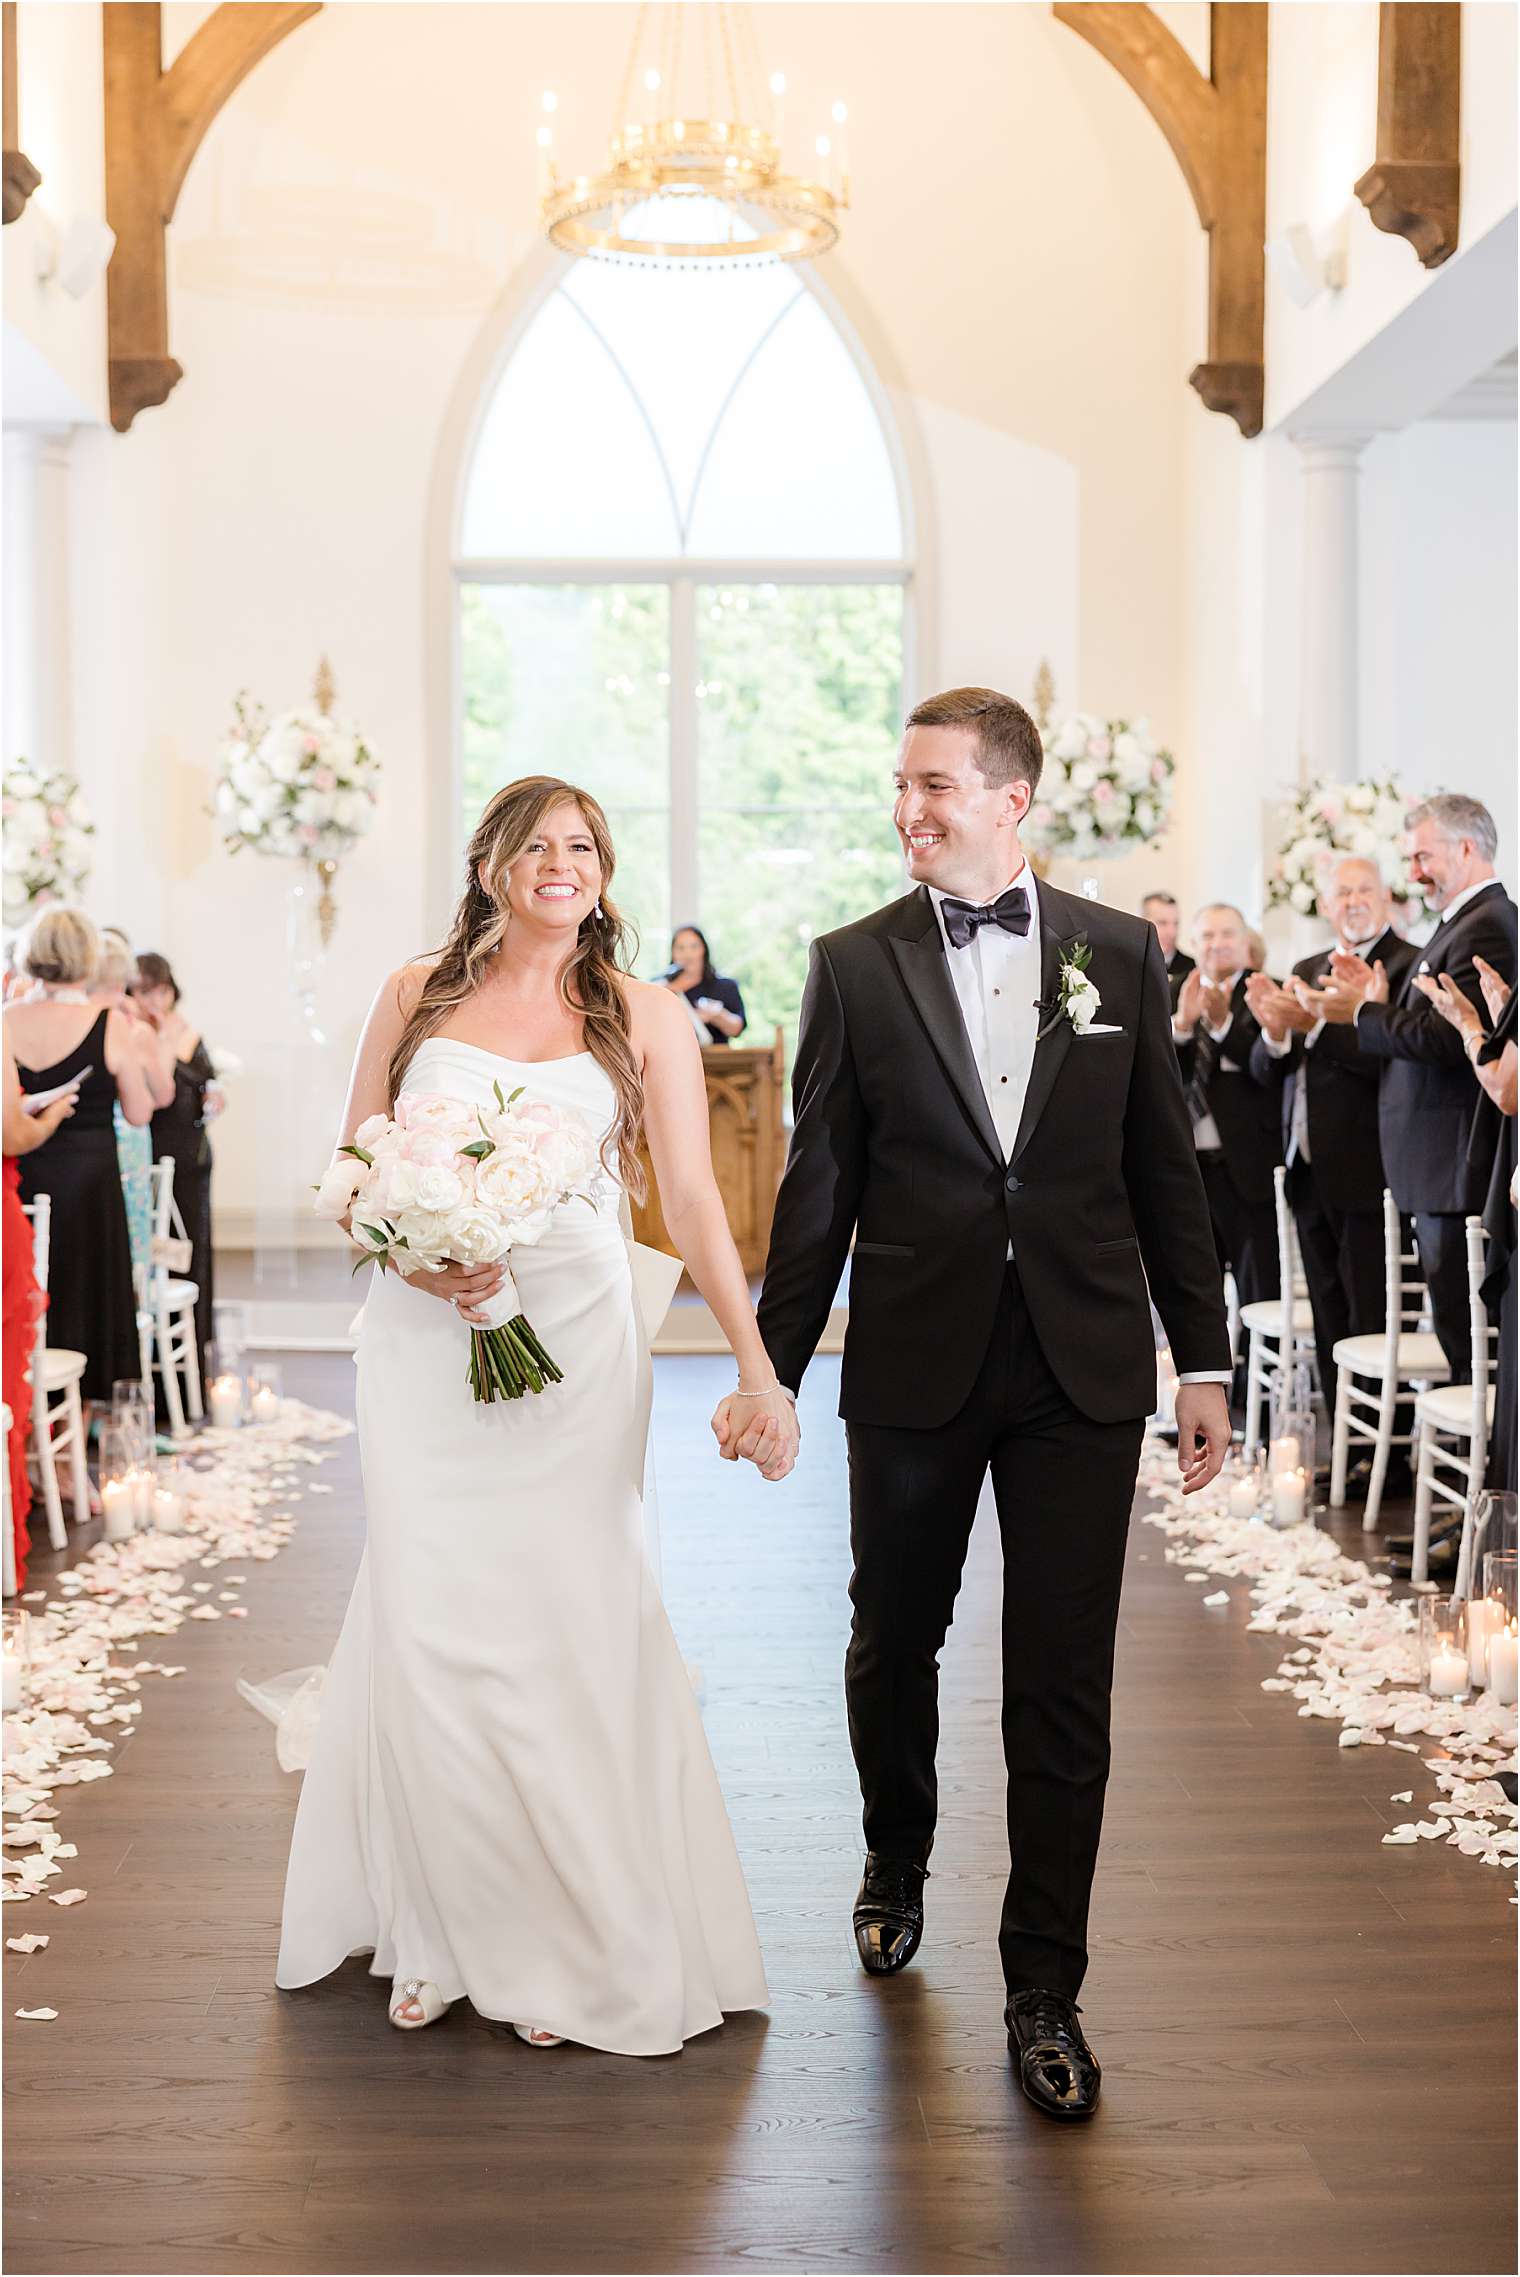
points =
(1216, 129)
(155, 121)
(1413, 188)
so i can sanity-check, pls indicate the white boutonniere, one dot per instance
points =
(1077, 997)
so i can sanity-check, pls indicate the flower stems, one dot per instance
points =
(507, 1362)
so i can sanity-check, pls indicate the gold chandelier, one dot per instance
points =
(699, 182)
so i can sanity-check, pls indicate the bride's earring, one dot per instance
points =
(597, 913)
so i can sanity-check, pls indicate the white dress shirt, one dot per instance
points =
(997, 984)
(996, 977)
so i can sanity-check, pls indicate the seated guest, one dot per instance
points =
(180, 1127)
(60, 1036)
(1425, 1095)
(1236, 1127)
(716, 1001)
(1329, 1096)
(24, 1302)
(1160, 910)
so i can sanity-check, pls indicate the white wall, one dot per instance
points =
(58, 80)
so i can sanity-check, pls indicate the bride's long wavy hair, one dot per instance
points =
(590, 982)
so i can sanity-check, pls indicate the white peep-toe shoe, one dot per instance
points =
(420, 1994)
(536, 2038)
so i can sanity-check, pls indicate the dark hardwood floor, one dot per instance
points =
(1308, 2040)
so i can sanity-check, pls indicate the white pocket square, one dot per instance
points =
(1098, 1028)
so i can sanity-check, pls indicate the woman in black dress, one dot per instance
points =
(180, 1130)
(715, 999)
(58, 1036)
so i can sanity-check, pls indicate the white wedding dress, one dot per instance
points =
(510, 1791)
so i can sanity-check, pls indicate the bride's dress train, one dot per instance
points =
(510, 1792)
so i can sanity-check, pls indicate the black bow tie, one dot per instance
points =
(1010, 913)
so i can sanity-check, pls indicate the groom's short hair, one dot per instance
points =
(1008, 742)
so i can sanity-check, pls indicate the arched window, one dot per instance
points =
(681, 582)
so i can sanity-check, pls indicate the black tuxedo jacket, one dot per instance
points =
(1342, 1085)
(1178, 965)
(1428, 1096)
(1250, 1127)
(892, 1134)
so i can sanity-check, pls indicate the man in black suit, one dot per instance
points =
(1236, 1127)
(1426, 1092)
(985, 1088)
(1160, 910)
(1328, 1091)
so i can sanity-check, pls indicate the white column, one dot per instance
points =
(1327, 704)
(37, 719)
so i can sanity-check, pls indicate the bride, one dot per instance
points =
(510, 1796)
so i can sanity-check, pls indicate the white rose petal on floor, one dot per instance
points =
(1358, 1665)
(238, 1489)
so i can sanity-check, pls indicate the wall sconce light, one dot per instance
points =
(1304, 266)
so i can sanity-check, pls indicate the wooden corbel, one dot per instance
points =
(1413, 188)
(155, 122)
(1217, 130)
(21, 176)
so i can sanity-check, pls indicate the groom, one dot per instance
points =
(987, 1099)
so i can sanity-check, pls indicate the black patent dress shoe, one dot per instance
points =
(889, 1914)
(1443, 1559)
(1057, 2069)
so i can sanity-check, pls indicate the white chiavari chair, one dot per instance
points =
(57, 1410)
(166, 1308)
(1463, 1415)
(1280, 1329)
(1371, 1371)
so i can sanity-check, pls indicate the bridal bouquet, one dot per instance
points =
(443, 1182)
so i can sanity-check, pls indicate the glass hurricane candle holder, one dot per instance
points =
(1245, 1484)
(170, 1502)
(1290, 1466)
(224, 1387)
(120, 1454)
(1490, 1609)
(1495, 1526)
(15, 1663)
(264, 1392)
(1445, 1672)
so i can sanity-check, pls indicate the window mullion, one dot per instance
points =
(685, 880)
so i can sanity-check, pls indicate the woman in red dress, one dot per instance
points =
(23, 1302)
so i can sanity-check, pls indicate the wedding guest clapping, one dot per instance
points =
(1492, 1052)
(181, 1125)
(1425, 1099)
(1236, 1132)
(1160, 910)
(62, 1038)
(1329, 1102)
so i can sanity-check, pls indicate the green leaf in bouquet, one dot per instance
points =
(359, 1155)
(380, 1240)
(496, 1087)
(514, 1096)
(478, 1150)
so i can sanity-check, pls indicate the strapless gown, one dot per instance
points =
(510, 1791)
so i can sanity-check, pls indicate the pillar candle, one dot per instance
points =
(1448, 1672)
(168, 1511)
(1504, 1665)
(226, 1398)
(118, 1503)
(1288, 1496)
(10, 1680)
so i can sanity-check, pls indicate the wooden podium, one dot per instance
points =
(744, 1096)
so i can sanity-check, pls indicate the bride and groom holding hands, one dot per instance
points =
(510, 1796)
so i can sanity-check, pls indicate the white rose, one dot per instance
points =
(477, 1237)
(1303, 898)
(340, 1183)
(438, 1187)
(313, 806)
(1083, 775)
(249, 821)
(282, 755)
(266, 803)
(1082, 1005)
(16, 857)
(1071, 740)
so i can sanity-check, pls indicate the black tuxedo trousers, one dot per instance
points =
(1063, 1486)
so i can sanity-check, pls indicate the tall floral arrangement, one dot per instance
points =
(1329, 819)
(47, 830)
(303, 785)
(1107, 787)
